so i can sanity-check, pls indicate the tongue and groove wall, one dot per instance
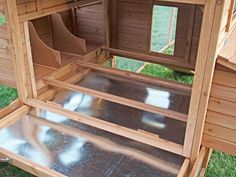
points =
(131, 28)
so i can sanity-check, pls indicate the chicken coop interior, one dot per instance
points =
(79, 116)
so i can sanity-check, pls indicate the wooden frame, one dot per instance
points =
(231, 17)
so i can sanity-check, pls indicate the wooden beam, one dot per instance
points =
(206, 60)
(197, 166)
(149, 58)
(48, 11)
(17, 50)
(117, 99)
(137, 76)
(142, 137)
(184, 169)
(200, 2)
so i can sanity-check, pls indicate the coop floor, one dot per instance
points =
(74, 149)
(166, 128)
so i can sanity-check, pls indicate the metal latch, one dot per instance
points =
(5, 160)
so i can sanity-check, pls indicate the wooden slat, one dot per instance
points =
(10, 108)
(223, 92)
(219, 144)
(117, 99)
(221, 106)
(148, 58)
(221, 120)
(138, 77)
(225, 78)
(220, 132)
(197, 166)
(184, 169)
(109, 127)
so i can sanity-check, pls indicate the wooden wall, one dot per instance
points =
(91, 23)
(42, 26)
(131, 28)
(6, 67)
(220, 127)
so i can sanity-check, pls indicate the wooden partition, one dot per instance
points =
(131, 24)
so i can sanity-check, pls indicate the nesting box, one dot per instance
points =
(76, 116)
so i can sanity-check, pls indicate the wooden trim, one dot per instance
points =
(13, 117)
(184, 169)
(149, 58)
(28, 165)
(17, 50)
(200, 2)
(198, 164)
(226, 63)
(219, 144)
(52, 10)
(230, 16)
(10, 108)
(137, 76)
(117, 99)
(205, 65)
(148, 139)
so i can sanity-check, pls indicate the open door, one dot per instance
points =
(48, 144)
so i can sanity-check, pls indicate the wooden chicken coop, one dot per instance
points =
(76, 116)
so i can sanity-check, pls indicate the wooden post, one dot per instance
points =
(17, 44)
(207, 53)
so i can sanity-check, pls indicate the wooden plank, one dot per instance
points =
(226, 63)
(221, 120)
(220, 132)
(10, 108)
(147, 58)
(138, 77)
(223, 92)
(13, 117)
(184, 169)
(219, 144)
(117, 99)
(198, 164)
(56, 9)
(109, 127)
(221, 106)
(28, 165)
(200, 2)
(225, 78)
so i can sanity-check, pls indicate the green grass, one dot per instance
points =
(221, 165)
(166, 73)
(2, 20)
(7, 95)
